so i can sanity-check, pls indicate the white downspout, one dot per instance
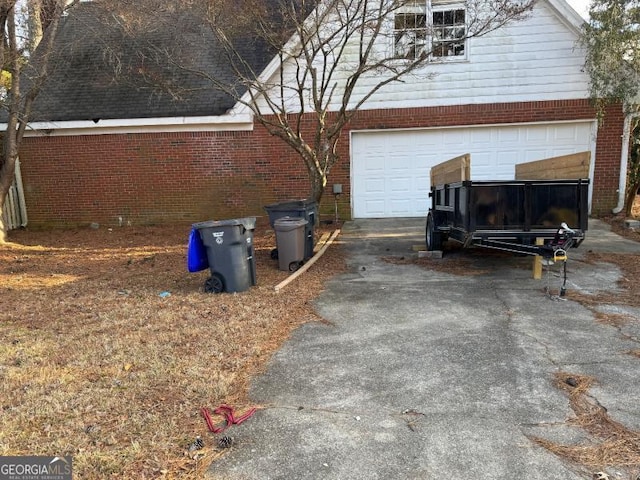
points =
(624, 159)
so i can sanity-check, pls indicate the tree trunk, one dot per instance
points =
(632, 192)
(34, 23)
(317, 188)
(7, 175)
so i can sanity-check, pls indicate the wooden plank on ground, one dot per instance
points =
(457, 169)
(564, 167)
(322, 241)
(307, 265)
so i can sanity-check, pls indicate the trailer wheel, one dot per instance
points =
(434, 238)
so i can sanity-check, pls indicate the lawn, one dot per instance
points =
(109, 348)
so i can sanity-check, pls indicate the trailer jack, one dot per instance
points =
(563, 240)
(563, 289)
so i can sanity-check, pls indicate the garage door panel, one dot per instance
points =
(376, 207)
(375, 185)
(480, 138)
(375, 164)
(536, 135)
(506, 159)
(422, 185)
(558, 152)
(531, 155)
(565, 133)
(400, 207)
(398, 165)
(391, 169)
(481, 160)
(400, 185)
(452, 138)
(509, 136)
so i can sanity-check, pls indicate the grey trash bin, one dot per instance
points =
(307, 209)
(290, 240)
(230, 252)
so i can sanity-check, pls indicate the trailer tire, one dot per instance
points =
(433, 237)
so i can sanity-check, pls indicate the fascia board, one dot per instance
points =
(567, 15)
(236, 122)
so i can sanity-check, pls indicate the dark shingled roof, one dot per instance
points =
(105, 71)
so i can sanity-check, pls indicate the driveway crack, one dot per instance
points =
(510, 314)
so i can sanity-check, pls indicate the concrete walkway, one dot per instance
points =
(420, 374)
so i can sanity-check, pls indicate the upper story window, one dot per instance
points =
(424, 27)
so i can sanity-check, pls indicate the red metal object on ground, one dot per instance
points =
(227, 412)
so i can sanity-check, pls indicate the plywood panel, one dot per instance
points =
(564, 167)
(457, 169)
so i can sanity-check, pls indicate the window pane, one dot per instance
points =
(410, 26)
(448, 26)
(449, 17)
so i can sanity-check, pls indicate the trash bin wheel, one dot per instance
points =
(293, 266)
(274, 254)
(214, 284)
(433, 237)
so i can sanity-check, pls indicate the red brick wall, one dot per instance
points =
(187, 177)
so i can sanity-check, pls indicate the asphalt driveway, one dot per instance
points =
(421, 374)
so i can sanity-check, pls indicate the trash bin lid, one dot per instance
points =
(249, 223)
(291, 205)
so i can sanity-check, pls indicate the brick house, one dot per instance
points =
(100, 151)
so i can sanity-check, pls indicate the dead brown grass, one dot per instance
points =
(627, 290)
(613, 319)
(615, 445)
(96, 364)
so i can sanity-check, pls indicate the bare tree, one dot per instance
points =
(332, 56)
(18, 62)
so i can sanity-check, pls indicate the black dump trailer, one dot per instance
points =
(513, 215)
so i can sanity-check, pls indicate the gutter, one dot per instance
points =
(219, 123)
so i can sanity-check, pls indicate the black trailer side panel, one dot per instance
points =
(519, 210)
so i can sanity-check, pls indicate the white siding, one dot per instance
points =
(536, 59)
(533, 60)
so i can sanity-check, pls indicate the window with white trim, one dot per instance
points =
(437, 29)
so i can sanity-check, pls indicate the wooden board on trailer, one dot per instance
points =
(565, 167)
(457, 169)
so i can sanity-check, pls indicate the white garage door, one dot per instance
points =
(390, 169)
